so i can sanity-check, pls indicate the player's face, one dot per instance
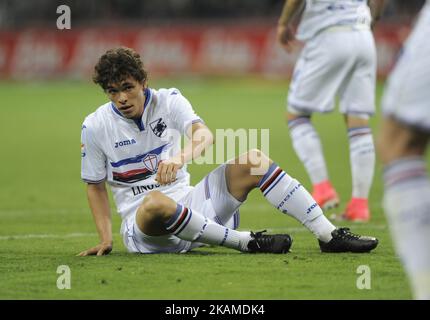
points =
(128, 96)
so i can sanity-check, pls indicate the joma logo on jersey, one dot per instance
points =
(124, 143)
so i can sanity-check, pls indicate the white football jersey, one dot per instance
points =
(321, 14)
(126, 152)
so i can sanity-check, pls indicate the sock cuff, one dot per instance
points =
(271, 178)
(359, 131)
(179, 220)
(269, 172)
(404, 170)
(299, 121)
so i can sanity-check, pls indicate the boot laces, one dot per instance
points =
(345, 234)
(261, 240)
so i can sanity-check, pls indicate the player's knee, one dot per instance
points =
(154, 206)
(257, 158)
(254, 154)
(259, 163)
(250, 167)
(393, 145)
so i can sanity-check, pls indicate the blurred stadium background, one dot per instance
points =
(233, 37)
(223, 56)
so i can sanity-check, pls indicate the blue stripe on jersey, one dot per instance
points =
(139, 124)
(138, 158)
(116, 110)
(148, 97)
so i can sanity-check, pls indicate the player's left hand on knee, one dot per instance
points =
(167, 171)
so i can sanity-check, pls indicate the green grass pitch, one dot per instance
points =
(45, 218)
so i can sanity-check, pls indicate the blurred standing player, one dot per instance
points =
(402, 145)
(339, 59)
(134, 143)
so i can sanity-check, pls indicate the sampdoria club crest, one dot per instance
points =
(158, 127)
(151, 162)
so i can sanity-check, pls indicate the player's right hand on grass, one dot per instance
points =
(285, 37)
(100, 250)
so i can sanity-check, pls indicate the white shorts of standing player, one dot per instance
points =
(340, 60)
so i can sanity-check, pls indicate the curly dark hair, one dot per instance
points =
(116, 65)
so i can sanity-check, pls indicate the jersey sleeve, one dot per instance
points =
(182, 112)
(93, 163)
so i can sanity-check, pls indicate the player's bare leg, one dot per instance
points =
(362, 160)
(307, 144)
(239, 173)
(152, 215)
(398, 141)
(159, 215)
(255, 170)
(406, 199)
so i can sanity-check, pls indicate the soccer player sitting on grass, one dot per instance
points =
(125, 142)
